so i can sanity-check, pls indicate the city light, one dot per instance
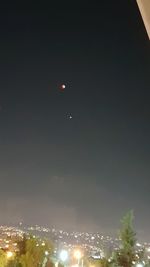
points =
(72, 255)
(9, 254)
(63, 255)
(139, 265)
(77, 254)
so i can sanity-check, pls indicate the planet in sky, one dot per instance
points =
(69, 116)
(62, 87)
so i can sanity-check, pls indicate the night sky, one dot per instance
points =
(87, 171)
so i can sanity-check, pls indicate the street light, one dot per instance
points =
(63, 255)
(9, 254)
(46, 253)
(77, 255)
(139, 265)
(45, 258)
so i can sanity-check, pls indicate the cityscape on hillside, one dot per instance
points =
(94, 245)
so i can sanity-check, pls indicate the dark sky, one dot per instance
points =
(84, 172)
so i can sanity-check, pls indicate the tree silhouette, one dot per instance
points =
(126, 254)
